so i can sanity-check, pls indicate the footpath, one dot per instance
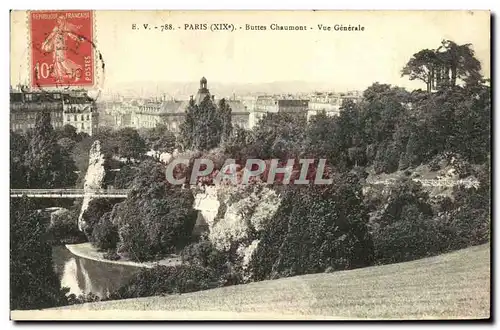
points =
(87, 251)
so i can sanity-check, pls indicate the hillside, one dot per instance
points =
(453, 285)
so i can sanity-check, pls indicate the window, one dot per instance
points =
(75, 118)
(82, 118)
(88, 117)
(82, 126)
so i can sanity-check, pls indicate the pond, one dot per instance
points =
(83, 276)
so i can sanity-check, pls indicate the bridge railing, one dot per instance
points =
(69, 192)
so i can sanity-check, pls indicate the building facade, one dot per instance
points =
(159, 112)
(240, 114)
(74, 108)
(330, 103)
(277, 104)
(293, 106)
(24, 107)
(80, 111)
(117, 114)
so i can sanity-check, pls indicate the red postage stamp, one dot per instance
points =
(62, 48)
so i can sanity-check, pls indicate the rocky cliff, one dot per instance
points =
(94, 178)
(236, 216)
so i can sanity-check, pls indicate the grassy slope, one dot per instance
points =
(453, 285)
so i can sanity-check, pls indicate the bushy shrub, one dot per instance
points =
(409, 228)
(471, 218)
(105, 233)
(402, 230)
(331, 219)
(203, 254)
(83, 298)
(162, 280)
(387, 158)
(157, 218)
(124, 177)
(63, 227)
(415, 235)
(92, 215)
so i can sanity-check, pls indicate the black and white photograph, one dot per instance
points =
(250, 165)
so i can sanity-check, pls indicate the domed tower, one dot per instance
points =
(203, 92)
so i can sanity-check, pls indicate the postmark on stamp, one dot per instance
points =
(62, 48)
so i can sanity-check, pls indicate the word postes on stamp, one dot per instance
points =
(62, 52)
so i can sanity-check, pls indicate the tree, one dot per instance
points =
(208, 128)
(237, 143)
(66, 145)
(18, 148)
(422, 66)
(33, 282)
(160, 139)
(407, 229)
(331, 219)
(67, 131)
(323, 140)
(124, 178)
(109, 141)
(383, 108)
(205, 125)
(130, 144)
(278, 135)
(227, 126)
(440, 68)
(157, 217)
(95, 210)
(105, 234)
(459, 61)
(80, 155)
(46, 165)
(472, 124)
(187, 127)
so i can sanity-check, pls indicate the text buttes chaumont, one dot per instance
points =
(277, 27)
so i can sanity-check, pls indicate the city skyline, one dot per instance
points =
(342, 60)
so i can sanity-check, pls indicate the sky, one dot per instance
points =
(347, 60)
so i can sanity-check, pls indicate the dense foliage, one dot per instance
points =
(46, 164)
(156, 218)
(63, 227)
(205, 125)
(163, 280)
(33, 282)
(159, 139)
(326, 230)
(105, 233)
(92, 215)
(410, 227)
(204, 254)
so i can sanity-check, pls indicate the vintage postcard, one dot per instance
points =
(250, 165)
